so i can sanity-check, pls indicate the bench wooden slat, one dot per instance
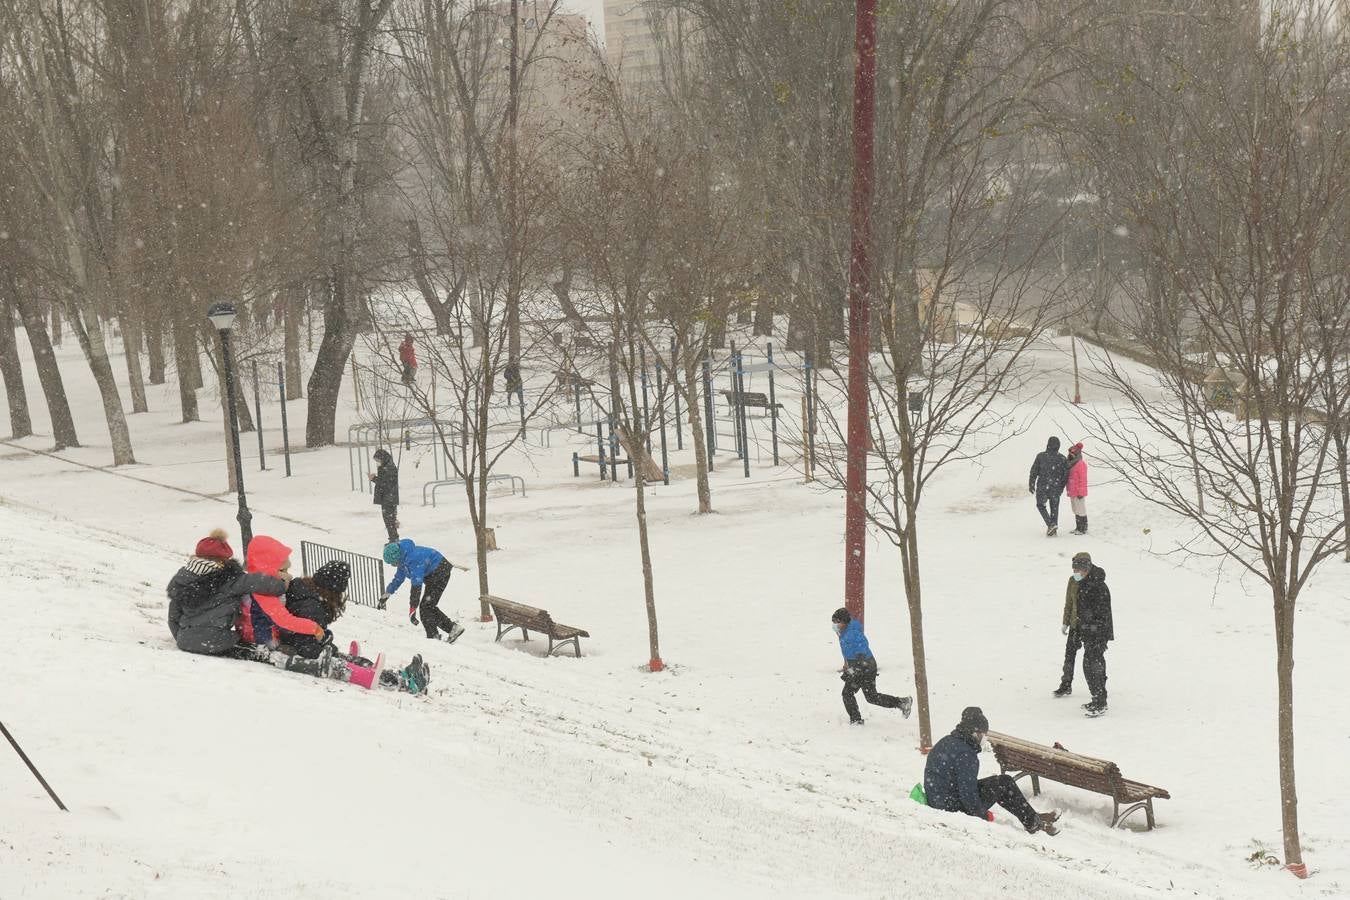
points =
(531, 618)
(1085, 772)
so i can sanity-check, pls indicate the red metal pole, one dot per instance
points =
(859, 307)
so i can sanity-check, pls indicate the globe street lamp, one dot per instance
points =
(222, 317)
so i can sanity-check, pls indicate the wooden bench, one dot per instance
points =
(1018, 758)
(517, 615)
(751, 399)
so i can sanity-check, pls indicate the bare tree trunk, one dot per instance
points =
(294, 308)
(185, 352)
(49, 374)
(1342, 460)
(86, 330)
(909, 562)
(764, 316)
(154, 348)
(692, 377)
(1284, 637)
(649, 590)
(131, 346)
(325, 381)
(56, 327)
(20, 424)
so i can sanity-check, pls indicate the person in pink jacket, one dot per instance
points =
(1076, 488)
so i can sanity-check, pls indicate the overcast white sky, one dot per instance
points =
(595, 9)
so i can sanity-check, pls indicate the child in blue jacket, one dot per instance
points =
(426, 569)
(860, 669)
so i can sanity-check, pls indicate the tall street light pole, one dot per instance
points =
(859, 306)
(222, 317)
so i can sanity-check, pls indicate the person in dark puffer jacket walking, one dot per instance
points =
(206, 594)
(952, 782)
(1049, 474)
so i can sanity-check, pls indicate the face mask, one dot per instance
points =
(838, 629)
(985, 745)
(1077, 576)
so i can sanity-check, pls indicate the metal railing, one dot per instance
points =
(367, 581)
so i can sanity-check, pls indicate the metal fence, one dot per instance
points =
(367, 581)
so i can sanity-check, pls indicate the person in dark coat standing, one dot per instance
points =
(860, 669)
(1069, 627)
(952, 782)
(206, 594)
(1049, 474)
(1095, 627)
(385, 492)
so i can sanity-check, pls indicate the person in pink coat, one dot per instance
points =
(1076, 488)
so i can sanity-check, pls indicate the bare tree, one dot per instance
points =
(1248, 248)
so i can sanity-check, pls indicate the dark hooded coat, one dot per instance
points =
(1094, 607)
(1049, 471)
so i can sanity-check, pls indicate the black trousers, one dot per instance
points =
(428, 608)
(1050, 516)
(1070, 658)
(1094, 668)
(389, 513)
(864, 678)
(1001, 790)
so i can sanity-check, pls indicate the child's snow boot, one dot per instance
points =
(455, 631)
(354, 649)
(360, 676)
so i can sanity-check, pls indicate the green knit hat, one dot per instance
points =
(391, 554)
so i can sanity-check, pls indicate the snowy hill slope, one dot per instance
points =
(732, 773)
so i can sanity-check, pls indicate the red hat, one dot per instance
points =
(213, 546)
(1076, 448)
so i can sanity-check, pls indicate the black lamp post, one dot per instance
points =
(222, 317)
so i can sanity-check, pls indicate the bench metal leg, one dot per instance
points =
(502, 632)
(1035, 785)
(1118, 817)
(574, 641)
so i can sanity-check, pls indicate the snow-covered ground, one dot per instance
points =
(733, 773)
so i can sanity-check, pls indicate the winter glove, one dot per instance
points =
(384, 598)
(1064, 630)
(319, 632)
(1031, 490)
(989, 815)
(412, 614)
(327, 637)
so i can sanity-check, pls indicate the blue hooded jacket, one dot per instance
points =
(952, 773)
(414, 563)
(853, 643)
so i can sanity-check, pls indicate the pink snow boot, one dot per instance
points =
(365, 675)
(354, 649)
(360, 675)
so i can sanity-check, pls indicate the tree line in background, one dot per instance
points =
(1168, 181)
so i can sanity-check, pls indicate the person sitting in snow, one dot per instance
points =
(951, 779)
(426, 569)
(263, 614)
(207, 594)
(860, 669)
(320, 598)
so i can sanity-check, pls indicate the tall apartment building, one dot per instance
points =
(630, 46)
(563, 59)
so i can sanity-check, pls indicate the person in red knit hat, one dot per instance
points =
(206, 596)
(1076, 487)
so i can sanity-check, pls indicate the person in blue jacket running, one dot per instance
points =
(429, 573)
(860, 669)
